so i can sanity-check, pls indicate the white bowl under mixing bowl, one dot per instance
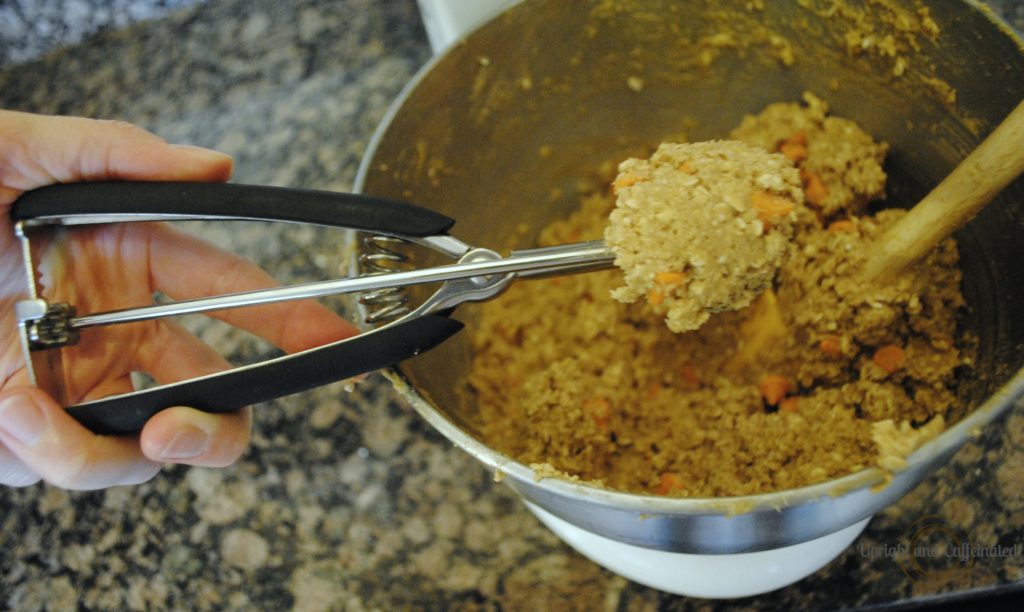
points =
(709, 576)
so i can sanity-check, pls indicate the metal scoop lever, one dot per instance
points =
(476, 263)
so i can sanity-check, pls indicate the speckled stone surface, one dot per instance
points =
(348, 500)
(29, 28)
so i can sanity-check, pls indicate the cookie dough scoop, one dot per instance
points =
(701, 228)
(43, 218)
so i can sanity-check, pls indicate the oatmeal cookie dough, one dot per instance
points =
(821, 376)
(701, 228)
(840, 164)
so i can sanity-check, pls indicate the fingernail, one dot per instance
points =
(202, 151)
(188, 443)
(22, 419)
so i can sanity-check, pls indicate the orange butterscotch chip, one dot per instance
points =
(831, 346)
(668, 482)
(665, 281)
(799, 138)
(773, 388)
(599, 409)
(795, 147)
(889, 357)
(625, 180)
(669, 279)
(770, 207)
(814, 189)
(691, 380)
(794, 153)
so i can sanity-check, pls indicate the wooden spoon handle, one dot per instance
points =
(957, 199)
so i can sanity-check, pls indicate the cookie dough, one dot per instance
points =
(701, 228)
(819, 377)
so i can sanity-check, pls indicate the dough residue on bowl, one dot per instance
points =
(783, 393)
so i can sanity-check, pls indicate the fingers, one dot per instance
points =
(40, 150)
(62, 452)
(186, 267)
(184, 435)
(13, 471)
(170, 353)
(38, 440)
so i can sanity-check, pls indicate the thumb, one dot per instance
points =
(39, 150)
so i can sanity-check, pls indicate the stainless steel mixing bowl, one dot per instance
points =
(500, 129)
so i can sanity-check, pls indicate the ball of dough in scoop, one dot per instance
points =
(701, 228)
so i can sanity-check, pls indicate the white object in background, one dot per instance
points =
(447, 20)
(709, 576)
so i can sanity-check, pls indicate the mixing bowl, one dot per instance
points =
(503, 128)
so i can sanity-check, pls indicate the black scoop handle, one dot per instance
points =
(233, 389)
(126, 201)
(83, 201)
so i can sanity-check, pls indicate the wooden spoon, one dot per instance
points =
(987, 170)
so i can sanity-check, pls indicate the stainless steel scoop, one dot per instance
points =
(478, 274)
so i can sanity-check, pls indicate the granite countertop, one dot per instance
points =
(347, 499)
(30, 28)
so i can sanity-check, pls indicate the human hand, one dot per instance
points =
(122, 265)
